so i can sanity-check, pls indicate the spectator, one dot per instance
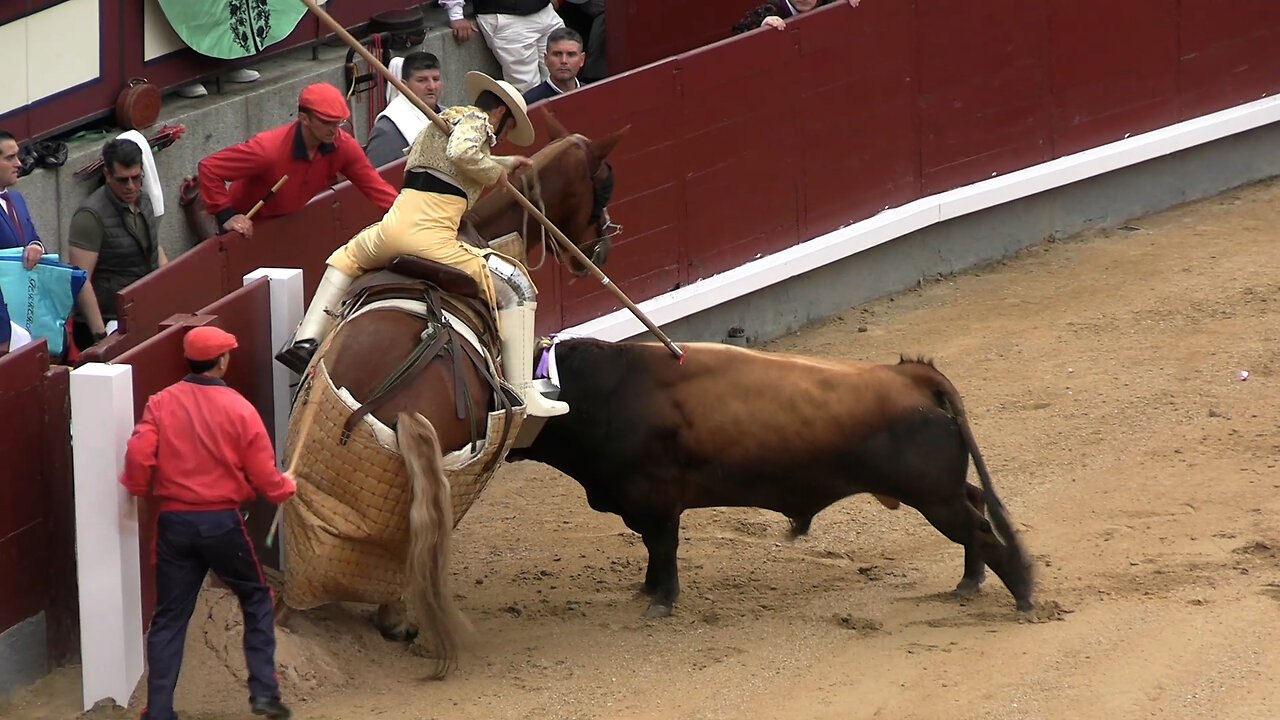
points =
(773, 13)
(114, 238)
(587, 18)
(312, 150)
(564, 61)
(399, 124)
(516, 31)
(16, 228)
(201, 450)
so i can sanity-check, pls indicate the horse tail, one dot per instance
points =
(430, 531)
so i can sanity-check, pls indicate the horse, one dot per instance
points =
(433, 405)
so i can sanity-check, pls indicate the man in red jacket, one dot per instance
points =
(200, 451)
(312, 151)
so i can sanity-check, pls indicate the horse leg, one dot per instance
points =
(975, 570)
(661, 535)
(392, 620)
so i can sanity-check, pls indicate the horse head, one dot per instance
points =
(571, 183)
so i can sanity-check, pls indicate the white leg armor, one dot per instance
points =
(318, 321)
(516, 308)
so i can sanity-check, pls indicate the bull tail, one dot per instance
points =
(948, 399)
(430, 531)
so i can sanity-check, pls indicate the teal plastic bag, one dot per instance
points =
(42, 298)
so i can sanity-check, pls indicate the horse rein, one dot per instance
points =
(531, 188)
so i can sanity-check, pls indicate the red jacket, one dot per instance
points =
(201, 446)
(253, 167)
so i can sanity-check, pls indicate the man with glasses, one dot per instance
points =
(312, 151)
(114, 238)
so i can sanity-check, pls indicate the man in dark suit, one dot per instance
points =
(16, 228)
(564, 61)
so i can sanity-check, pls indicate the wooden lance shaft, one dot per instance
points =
(524, 202)
(258, 205)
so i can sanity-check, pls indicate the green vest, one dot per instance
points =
(125, 257)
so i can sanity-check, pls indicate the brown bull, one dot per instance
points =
(648, 438)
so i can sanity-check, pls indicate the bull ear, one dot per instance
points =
(605, 145)
(554, 128)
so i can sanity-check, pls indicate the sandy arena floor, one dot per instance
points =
(1102, 377)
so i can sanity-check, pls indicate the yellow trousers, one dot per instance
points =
(422, 224)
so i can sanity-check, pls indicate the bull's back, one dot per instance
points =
(757, 406)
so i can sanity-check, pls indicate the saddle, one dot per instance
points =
(443, 289)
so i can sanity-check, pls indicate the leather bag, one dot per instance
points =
(138, 105)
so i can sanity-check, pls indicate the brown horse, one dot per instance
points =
(571, 175)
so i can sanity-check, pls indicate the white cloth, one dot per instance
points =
(150, 178)
(18, 337)
(395, 67)
(519, 43)
(408, 119)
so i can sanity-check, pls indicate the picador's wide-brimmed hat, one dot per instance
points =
(478, 82)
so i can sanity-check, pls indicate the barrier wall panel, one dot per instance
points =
(1092, 105)
(1230, 73)
(643, 32)
(982, 90)
(22, 557)
(22, 497)
(1206, 24)
(22, 532)
(191, 280)
(61, 606)
(601, 302)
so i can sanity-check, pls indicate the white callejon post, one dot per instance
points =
(286, 312)
(287, 309)
(108, 567)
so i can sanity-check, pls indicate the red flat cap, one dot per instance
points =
(207, 342)
(324, 101)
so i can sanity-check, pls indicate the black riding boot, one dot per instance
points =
(298, 356)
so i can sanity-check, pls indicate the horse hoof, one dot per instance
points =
(403, 633)
(657, 611)
(968, 588)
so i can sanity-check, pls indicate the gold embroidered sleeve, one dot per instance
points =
(468, 150)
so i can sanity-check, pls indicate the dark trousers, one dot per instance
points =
(188, 546)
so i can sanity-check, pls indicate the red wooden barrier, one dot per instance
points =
(37, 535)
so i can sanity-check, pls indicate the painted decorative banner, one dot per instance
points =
(232, 29)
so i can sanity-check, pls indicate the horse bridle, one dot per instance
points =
(605, 226)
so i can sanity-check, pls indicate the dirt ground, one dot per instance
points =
(1103, 378)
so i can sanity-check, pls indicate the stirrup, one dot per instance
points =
(298, 356)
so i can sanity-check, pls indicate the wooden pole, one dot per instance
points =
(258, 206)
(390, 77)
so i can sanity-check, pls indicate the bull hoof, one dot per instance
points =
(400, 633)
(657, 611)
(968, 588)
(1025, 605)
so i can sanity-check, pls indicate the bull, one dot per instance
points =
(648, 438)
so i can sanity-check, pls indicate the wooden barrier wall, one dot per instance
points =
(757, 143)
(37, 511)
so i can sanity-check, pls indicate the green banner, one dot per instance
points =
(232, 29)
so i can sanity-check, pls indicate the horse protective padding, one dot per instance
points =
(346, 530)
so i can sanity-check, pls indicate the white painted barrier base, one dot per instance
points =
(896, 222)
(107, 562)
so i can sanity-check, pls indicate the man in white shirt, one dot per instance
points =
(516, 32)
